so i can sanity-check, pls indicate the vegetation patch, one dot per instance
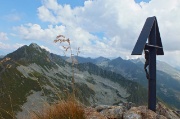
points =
(90, 80)
(13, 83)
(69, 109)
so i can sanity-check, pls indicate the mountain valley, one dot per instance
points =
(168, 77)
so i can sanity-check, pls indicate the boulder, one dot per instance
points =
(128, 105)
(91, 113)
(141, 112)
(114, 112)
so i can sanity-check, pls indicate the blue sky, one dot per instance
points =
(99, 27)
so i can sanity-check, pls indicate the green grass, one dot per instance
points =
(18, 88)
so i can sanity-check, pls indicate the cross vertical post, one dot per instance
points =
(152, 70)
(151, 32)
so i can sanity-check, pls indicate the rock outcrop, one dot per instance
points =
(111, 111)
(91, 113)
(123, 112)
(169, 114)
(141, 112)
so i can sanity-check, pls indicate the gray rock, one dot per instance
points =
(141, 112)
(101, 107)
(168, 113)
(115, 112)
(128, 105)
(91, 113)
(132, 115)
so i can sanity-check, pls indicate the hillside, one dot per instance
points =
(168, 81)
(32, 76)
(168, 78)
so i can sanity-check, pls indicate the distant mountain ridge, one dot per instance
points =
(1, 56)
(85, 60)
(168, 78)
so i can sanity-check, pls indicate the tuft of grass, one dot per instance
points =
(69, 109)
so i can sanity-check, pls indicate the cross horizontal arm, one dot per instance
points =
(154, 46)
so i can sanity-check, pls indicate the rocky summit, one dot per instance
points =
(122, 112)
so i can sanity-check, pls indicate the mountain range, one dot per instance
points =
(168, 77)
(31, 77)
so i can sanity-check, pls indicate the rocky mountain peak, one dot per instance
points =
(101, 59)
(118, 59)
(29, 54)
(35, 46)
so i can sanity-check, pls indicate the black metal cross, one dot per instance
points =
(150, 31)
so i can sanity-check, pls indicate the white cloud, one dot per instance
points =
(17, 45)
(3, 36)
(78, 36)
(7, 46)
(46, 48)
(171, 57)
(4, 46)
(35, 32)
(120, 22)
(46, 15)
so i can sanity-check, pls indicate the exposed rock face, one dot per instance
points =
(91, 113)
(169, 114)
(122, 112)
(112, 111)
(141, 112)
